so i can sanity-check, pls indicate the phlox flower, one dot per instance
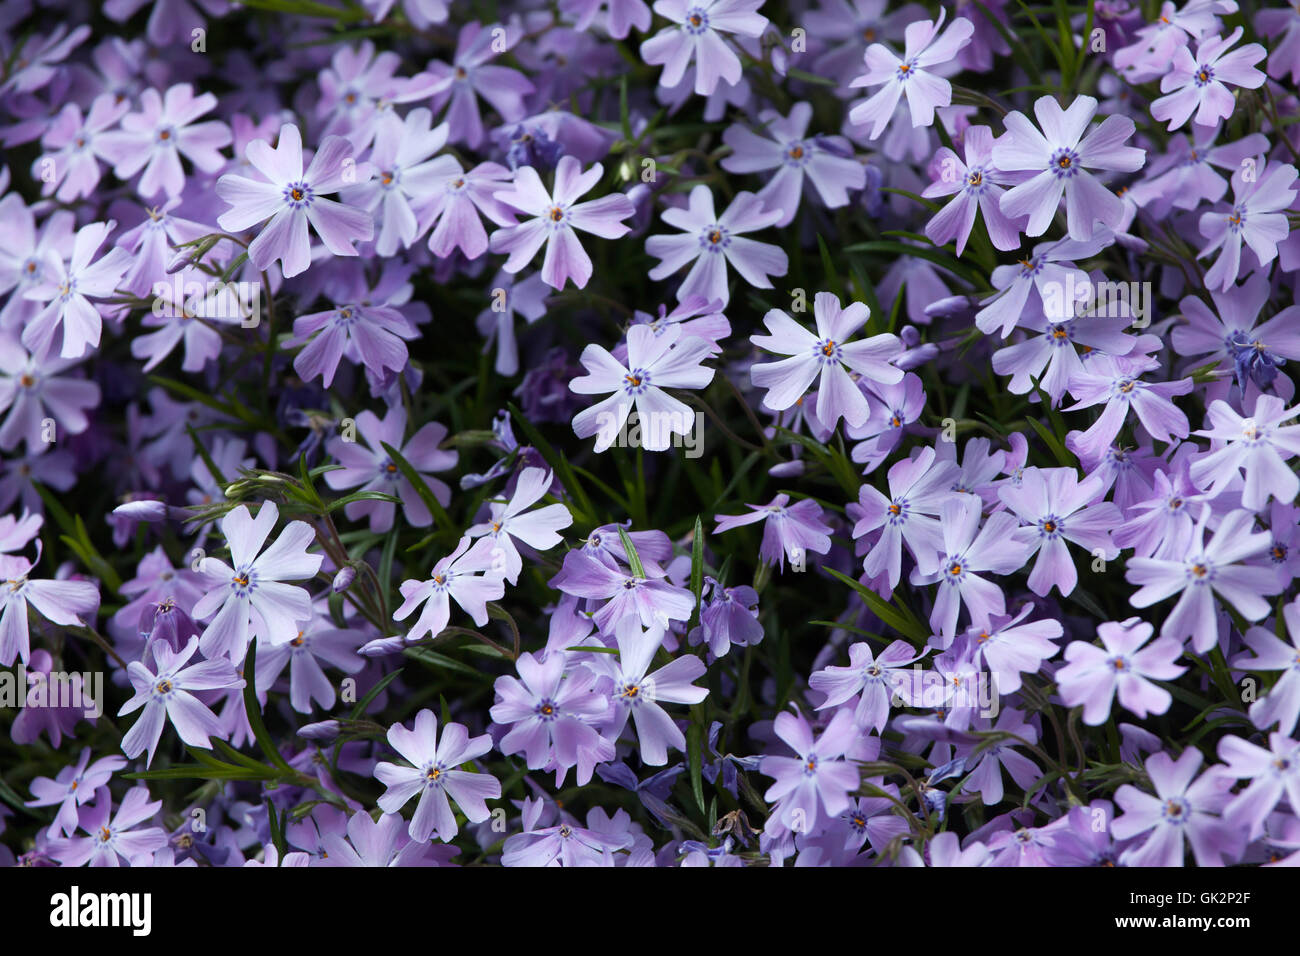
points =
(918, 486)
(875, 678)
(470, 75)
(166, 694)
(1257, 447)
(1180, 812)
(824, 356)
(1257, 218)
(814, 785)
(913, 76)
(729, 616)
(466, 575)
(457, 199)
(510, 519)
(653, 600)
(564, 844)
(790, 531)
(1093, 676)
(433, 774)
(1199, 84)
(556, 216)
(405, 177)
(621, 15)
(1009, 648)
(318, 643)
(66, 288)
(709, 241)
(1025, 288)
(73, 786)
(976, 184)
(251, 599)
(1273, 772)
(1059, 158)
(1204, 571)
(73, 145)
(1116, 382)
(155, 139)
(696, 36)
(113, 837)
(1281, 705)
(33, 391)
(654, 362)
(291, 199)
(65, 603)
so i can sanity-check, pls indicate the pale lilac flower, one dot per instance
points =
(976, 184)
(1199, 83)
(638, 691)
(317, 642)
(32, 392)
(709, 242)
(1179, 810)
(1116, 382)
(66, 288)
(1257, 218)
(377, 843)
(458, 198)
(876, 678)
(1000, 547)
(621, 16)
(918, 487)
(1281, 705)
(653, 600)
(556, 216)
(654, 362)
(553, 715)
(824, 162)
(815, 784)
(166, 695)
(251, 599)
(112, 838)
(696, 37)
(74, 786)
(1094, 675)
(729, 617)
(564, 844)
(508, 520)
(1060, 157)
(1010, 648)
(164, 130)
(914, 76)
(1257, 448)
(291, 199)
(435, 775)
(790, 531)
(1060, 508)
(73, 145)
(368, 333)
(1272, 772)
(458, 577)
(824, 356)
(61, 602)
(510, 297)
(1204, 571)
(470, 75)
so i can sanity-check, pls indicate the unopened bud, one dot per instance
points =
(343, 580)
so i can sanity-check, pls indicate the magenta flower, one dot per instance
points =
(1094, 675)
(697, 37)
(292, 199)
(162, 132)
(509, 520)
(914, 76)
(66, 288)
(1256, 448)
(1257, 218)
(251, 599)
(791, 532)
(823, 162)
(824, 356)
(815, 783)
(1199, 83)
(466, 576)
(556, 216)
(1207, 570)
(166, 694)
(654, 362)
(553, 715)
(976, 184)
(1060, 508)
(435, 775)
(1060, 157)
(1179, 811)
(710, 242)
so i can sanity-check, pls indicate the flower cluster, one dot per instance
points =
(699, 433)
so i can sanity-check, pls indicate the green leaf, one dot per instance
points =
(697, 571)
(695, 748)
(254, 712)
(421, 488)
(374, 692)
(634, 559)
(902, 621)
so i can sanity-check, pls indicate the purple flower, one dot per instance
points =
(370, 467)
(1180, 809)
(621, 16)
(509, 520)
(638, 691)
(823, 162)
(1116, 382)
(454, 577)
(815, 783)
(563, 844)
(1272, 772)
(74, 786)
(317, 643)
(458, 198)
(470, 75)
(913, 76)
(1204, 571)
(435, 776)
(251, 599)
(166, 695)
(1010, 648)
(33, 391)
(1060, 508)
(793, 531)
(729, 617)
(697, 38)
(999, 547)
(112, 838)
(74, 145)
(291, 199)
(710, 242)
(654, 362)
(651, 599)
(60, 602)
(1200, 83)
(1094, 675)
(66, 288)
(164, 130)
(876, 679)
(1256, 447)
(824, 356)
(976, 183)
(918, 487)
(553, 715)
(371, 334)
(1059, 158)
(379, 843)
(1256, 218)
(556, 216)
(1281, 705)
